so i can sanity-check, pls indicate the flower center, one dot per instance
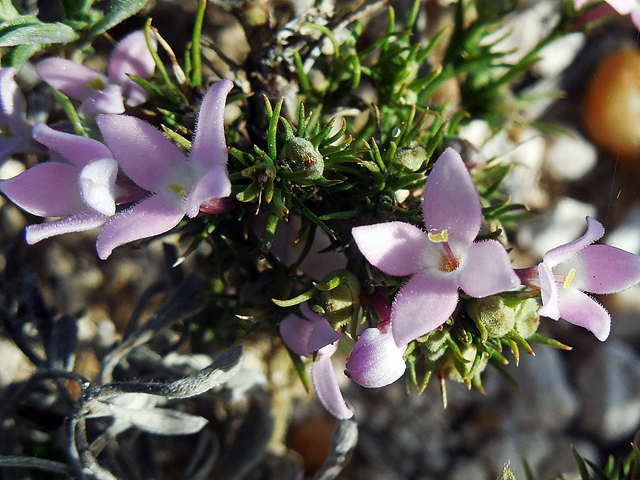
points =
(569, 278)
(180, 182)
(6, 132)
(96, 84)
(441, 257)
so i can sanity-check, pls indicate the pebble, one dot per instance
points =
(570, 157)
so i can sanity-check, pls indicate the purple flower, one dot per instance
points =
(177, 185)
(97, 92)
(79, 185)
(310, 334)
(623, 7)
(15, 131)
(442, 259)
(568, 271)
(376, 360)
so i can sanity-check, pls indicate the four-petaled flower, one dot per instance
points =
(314, 334)
(15, 131)
(568, 271)
(97, 92)
(79, 185)
(442, 259)
(177, 185)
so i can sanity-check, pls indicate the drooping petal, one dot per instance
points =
(97, 185)
(487, 270)
(72, 79)
(152, 216)
(594, 232)
(143, 153)
(604, 269)
(214, 184)
(107, 100)
(73, 223)
(580, 309)
(327, 389)
(77, 149)
(307, 335)
(131, 55)
(12, 102)
(421, 306)
(393, 247)
(549, 292)
(209, 145)
(451, 201)
(48, 190)
(376, 360)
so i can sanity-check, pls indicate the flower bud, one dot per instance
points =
(410, 159)
(527, 318)
(301, 156)
(492, 315)
(342, 303)
(448, 365)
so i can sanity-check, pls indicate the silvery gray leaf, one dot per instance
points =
(344, 440)
(160, 421)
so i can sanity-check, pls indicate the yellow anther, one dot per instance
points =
(96, 84)
(441, 237)
(177, 188)
(569, 278)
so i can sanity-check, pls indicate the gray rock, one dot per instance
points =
(570, 157)
(609, 383)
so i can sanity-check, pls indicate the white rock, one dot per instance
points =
(565, 224)
(476, 132)
(557, 56)
(609, 383)
(16, 366)
(570, 157)
(545, 399)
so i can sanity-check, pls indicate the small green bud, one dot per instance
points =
(341, 304)
(527, 318)
(435, 344)
(492, 315)
(449, 366)
(410, 159)
(301, 156)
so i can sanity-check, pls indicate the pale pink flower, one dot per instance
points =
(97, 92)
(314, 334)
(178, 185)
(442, 259)
(623, 7)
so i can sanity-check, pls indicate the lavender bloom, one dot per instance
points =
(623, 7)
(568, 271)
(442, 259)
(178, 185)
(376, 360)
(79, 185)
(15, 134)
(97, 92)
(307, 335)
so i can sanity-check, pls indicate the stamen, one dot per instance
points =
(177, 189)
(96, 84)
(569, 278)
(441, 237)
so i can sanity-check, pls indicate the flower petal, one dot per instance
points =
(14, 106)
(107, 100)
(307, 335)
(605, 269)
(376, 360)
(451, 200)
(594, 232)
(623, 7)
(152, 216)
(549, 292)
(73, 223)
(142, 152)
(580, 309)
(327, 389)
(97, 185)
(72, 79)
(48, 190)
(77, 149)
(487, 270)
(209, 145)
(635, 17)
(131, 55)
(214, 184)
(393, 247)
(421, 306)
